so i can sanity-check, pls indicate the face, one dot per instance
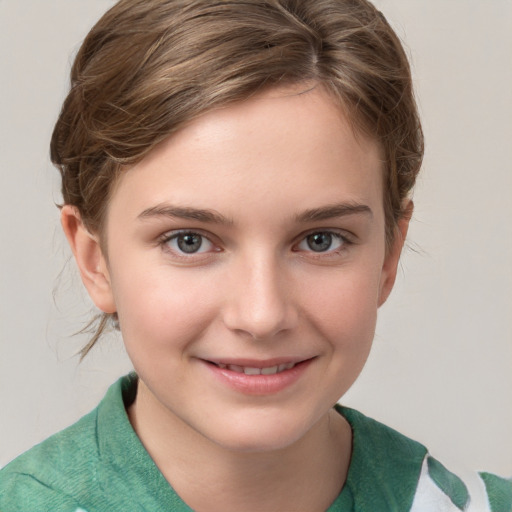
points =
(246, 262)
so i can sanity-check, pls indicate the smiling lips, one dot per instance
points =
(248, 370)
(251, 379)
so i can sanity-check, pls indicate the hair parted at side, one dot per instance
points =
(149, 66)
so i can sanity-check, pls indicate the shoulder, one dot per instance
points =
(441, 490)
(384, 466)
(73, 466)
(45, 477)
(389, 471)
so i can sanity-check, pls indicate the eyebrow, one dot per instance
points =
(333, 211)
(211, 216)
(184, 212)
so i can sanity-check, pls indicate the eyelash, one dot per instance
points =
(344, 241)
(178, 252)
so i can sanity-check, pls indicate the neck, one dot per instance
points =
(305, 476)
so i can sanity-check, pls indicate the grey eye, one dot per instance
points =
(189, 243)
(319, 242)
(322, 241)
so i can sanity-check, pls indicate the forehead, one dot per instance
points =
(284, 146)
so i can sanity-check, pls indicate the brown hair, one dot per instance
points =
(148, 66)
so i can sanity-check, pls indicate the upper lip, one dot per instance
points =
(256, 363)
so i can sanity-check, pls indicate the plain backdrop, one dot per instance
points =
(440, 370)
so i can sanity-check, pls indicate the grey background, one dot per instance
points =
(440, 370)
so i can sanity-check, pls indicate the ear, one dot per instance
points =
(89, 258)
(390, 267)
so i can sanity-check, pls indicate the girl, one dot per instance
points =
(236, 180)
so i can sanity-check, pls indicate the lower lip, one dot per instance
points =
(260, 384)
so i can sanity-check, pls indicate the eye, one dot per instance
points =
(188, 242)
(322, 241)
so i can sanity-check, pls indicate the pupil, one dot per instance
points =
(189, 243)
(319, 242)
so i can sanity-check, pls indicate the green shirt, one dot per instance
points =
(99, 465)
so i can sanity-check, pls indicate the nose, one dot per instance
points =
(260, 302)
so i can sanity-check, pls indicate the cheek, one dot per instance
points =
(344, 302)
(163, 308)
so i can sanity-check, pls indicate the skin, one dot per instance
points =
(269, 172)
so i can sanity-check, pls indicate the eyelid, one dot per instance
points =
(342, 233)
(172, 233)
(347, 239)
(165, 238)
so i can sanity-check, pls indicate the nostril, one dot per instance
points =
(259, 304)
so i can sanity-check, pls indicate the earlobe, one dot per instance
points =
(390, 267)
(89, 258)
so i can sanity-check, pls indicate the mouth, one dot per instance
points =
(259, 378)
(254, 370)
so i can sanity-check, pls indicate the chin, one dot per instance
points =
(257, 435)
(258, 443)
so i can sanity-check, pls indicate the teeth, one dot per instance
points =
(252, 371)
(248, 370)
